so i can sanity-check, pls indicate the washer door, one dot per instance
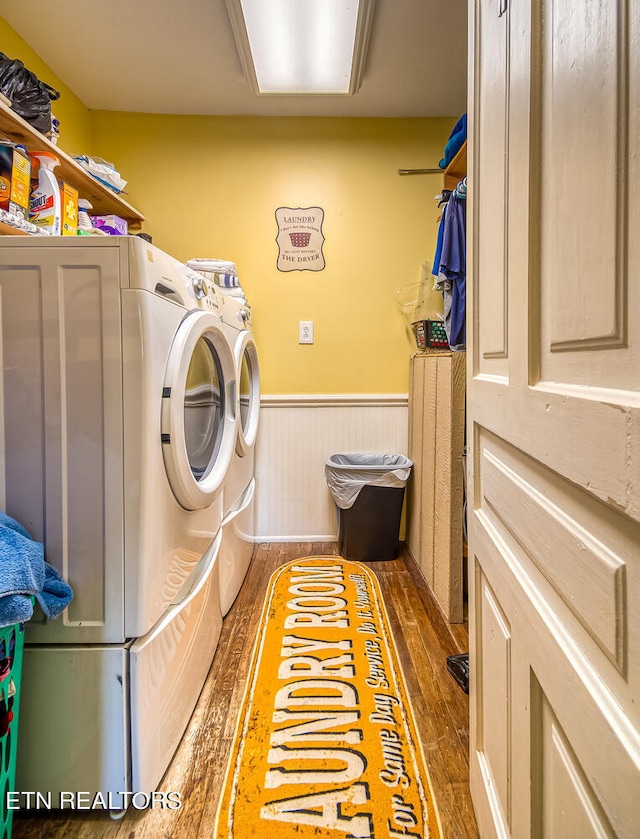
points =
(198, 422)
(248, 373)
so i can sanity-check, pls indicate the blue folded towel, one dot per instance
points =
(455, 141)
(24, 574)
(21, 559)
(15, 608)
(56, 593)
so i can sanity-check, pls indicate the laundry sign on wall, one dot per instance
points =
(300, 238)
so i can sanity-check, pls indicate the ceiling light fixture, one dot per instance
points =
(302, 46)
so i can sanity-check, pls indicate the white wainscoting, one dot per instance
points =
(296, 436)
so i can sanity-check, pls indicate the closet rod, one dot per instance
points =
(420, 171)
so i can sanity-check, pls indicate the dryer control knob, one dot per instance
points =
(200, 287)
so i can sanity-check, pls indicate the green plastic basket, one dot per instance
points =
(11, 648)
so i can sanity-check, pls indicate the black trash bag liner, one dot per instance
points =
(30, 98)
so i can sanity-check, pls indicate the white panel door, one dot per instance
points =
(554, 417)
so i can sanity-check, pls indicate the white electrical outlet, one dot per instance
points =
(305, 332)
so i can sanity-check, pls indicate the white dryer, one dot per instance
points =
(238, 526)
(119, 403)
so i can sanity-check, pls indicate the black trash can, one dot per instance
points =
(368, 490)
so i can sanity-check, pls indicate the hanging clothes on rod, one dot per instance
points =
(443, 197)
(461, 189)
(450, 265)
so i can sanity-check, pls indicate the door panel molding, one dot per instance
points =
(592, 718)
(563, 800)
(493, 665)
(562, 547)
(605, 437)
(492, 118)
(584, 217)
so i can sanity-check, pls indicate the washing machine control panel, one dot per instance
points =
(204, 291)
(209, 300)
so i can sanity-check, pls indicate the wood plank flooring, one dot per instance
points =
(423, 640)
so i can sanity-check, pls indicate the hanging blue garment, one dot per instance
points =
(452, 277)
(436, 257)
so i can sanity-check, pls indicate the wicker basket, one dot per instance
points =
(430, 334)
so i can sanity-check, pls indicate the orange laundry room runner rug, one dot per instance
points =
(326, 744)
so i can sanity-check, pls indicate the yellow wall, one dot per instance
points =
(210, 186)
(75, 118)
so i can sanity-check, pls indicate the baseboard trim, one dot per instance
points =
(268, 539)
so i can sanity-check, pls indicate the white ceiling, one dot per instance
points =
(179, 57)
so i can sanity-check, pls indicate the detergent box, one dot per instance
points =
(114, 225)
(15, 180)
(68, 209)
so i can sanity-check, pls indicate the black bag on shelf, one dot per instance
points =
(30, 98)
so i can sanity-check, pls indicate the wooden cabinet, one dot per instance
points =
(436, 487)
(436, 446)
(104, 200)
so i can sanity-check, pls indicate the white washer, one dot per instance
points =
(119, 405)
(210, 298)
(237, 316)
(238, 526)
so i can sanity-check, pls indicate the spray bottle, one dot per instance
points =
(85, 228)
(45, 206)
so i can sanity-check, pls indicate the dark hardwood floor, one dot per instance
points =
(441, 711)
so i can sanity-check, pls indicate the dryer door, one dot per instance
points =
(248, 368)
(198, 422)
